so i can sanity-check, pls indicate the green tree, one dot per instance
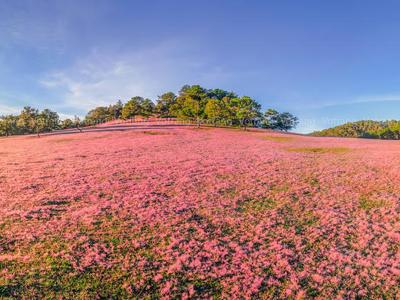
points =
(138, 106)
(195, 99)
(164, 104)
(77, 123)
(97, 115)
(281, 121)
(186, 108)
(246, 110)
(196, 92)
(287, 121)
(115, 111)
(220, 94)
(132, 108)
(195, 102)
(103, 114)
(27, 119)
(8, 125)
(67, 123)
(49, 120)
(40, 124)
(216, 111)
(147, 108)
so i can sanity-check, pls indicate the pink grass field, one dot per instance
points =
(199, 213)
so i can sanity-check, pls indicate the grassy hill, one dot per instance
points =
(389, 130)
(198, 213)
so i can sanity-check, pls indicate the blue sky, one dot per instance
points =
(326, 61)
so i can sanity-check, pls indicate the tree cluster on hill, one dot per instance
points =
(388, 130)
(193, 102)
(103, 114)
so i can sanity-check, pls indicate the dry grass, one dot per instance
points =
(64, 140)
(203, 128)
(155, 133)
(319, 150)
(256, 205)
(98, 137)
(280, 139)
(367, 203)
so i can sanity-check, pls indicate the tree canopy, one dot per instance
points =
(137, 106)
(280, 121)
(164, 103)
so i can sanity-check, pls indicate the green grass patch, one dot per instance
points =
(255, 205)
(223, 176)
(56, 202)
(367, 203)
(210, 288)
(314, 181)
(228, 192)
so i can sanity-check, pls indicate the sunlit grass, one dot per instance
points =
(367, 203)
(64, 140)
(280, 139)
(321, 150)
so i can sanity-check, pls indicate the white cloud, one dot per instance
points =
(7, 109)
(66, 116)
(102, 78)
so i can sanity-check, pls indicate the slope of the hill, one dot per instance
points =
(184, 212)
(387, 130)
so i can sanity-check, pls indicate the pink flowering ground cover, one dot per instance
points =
(199, 213)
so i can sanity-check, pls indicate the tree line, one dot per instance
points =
(29, 121)
(387, 130)
(193, 102)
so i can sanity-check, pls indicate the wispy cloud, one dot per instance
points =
(102, 78)
(363, 99)
(377, 98)
(8, 109)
